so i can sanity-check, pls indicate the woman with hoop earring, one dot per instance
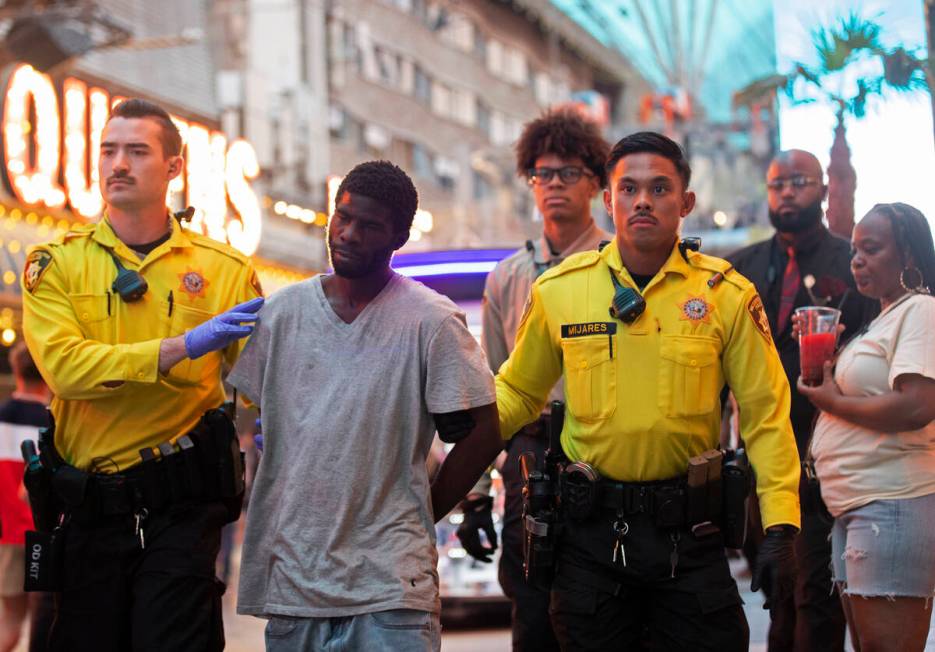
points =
(874, 441)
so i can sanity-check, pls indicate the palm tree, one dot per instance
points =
(852, 39)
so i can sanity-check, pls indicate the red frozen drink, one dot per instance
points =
(818, 333)
(814, 350)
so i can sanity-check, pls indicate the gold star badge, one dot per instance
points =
(695, 309)
(193, 283)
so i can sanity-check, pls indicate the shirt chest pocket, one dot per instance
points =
(191, 372)
(93, 312)
(688, 375)
(590, 376)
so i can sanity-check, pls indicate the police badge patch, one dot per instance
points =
(696, 309)
(36, 264)
(758, 314)
(193, 283)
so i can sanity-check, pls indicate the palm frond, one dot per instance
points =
(903, 70)
(838, 44)
(759, 90)
(858, 33)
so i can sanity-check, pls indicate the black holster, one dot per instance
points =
(540, 524)
(736, 484)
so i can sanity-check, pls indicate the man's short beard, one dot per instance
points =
(802, 220)
(377, 261)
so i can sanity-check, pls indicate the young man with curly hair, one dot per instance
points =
(562, 156)
(353, 372)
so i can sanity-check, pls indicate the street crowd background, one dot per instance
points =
(277, 99)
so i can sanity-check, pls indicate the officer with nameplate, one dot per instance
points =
(645, 333)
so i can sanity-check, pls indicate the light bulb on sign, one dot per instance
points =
(241, 166)
(37, 184)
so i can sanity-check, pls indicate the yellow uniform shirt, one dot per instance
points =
(100, 354)
(645, 397)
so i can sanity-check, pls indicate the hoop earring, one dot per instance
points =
(917, 288)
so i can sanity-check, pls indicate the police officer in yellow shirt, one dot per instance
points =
(130, 321)
(645, 334)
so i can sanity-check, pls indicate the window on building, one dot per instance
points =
(350, 50)
(423, 163)
(483, 117)
(441, 99)
(482, 188)
(457, 30)
(480, 45)
(494, 57)
(421, 85)
(517, 69)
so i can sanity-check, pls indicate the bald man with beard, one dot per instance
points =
(780, 267)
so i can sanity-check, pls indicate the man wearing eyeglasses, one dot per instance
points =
(802, 264)
(562, 155)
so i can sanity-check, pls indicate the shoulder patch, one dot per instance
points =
(36, 263)
(758, 314)
(574, 262)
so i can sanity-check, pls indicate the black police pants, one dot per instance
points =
(811, 620)
(599, 604)
(120, 597)
(532, 629)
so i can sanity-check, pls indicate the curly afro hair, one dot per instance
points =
(565, 132)
(389, 185)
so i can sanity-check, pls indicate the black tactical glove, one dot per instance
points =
(775, 564)
(477, 516)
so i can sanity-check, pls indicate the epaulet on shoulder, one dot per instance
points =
(80, 231)
(720, 269)
(572, 263)
(200, 240)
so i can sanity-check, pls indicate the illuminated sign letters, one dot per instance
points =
(51, 158)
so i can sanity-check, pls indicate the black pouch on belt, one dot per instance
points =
(669, 507)
(71, 485)
(44, 560)
(229, 461)
(154, 483)
(736, 484)
(192, 468)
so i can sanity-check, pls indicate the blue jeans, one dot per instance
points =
(885, 548)
(400, 630)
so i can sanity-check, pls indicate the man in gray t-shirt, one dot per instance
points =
(353, 372)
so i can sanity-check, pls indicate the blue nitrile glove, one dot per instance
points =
(258, 437)
(221, 330)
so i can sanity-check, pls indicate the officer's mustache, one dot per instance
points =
(122, 178)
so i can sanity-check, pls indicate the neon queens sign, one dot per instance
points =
(51, 150)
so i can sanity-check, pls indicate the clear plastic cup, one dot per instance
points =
(818, 336)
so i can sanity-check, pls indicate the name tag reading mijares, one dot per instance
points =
(589, 328)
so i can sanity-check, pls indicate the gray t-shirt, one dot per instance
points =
(340, 519)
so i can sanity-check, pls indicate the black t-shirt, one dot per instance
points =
(641, 280)
(827, 259)
(24, 413)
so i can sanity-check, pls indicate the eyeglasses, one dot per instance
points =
(568, 174)
(796, 183)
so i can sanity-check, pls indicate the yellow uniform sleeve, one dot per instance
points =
(75, 367)
(754, 373)
(531, 371)
(248, 288)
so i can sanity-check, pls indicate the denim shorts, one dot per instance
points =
(885, 548)
(400, 630)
